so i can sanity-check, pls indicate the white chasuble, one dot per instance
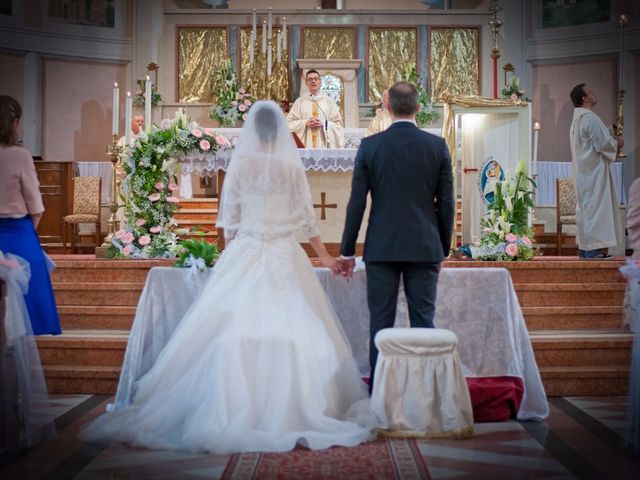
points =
(330, 135)
(593, 151)
(380, 122)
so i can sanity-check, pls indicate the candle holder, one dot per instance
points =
(619, 127)
(114, 151)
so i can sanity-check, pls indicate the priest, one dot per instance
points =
(382, 120)
(315, 118)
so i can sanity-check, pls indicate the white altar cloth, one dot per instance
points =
(478, 304)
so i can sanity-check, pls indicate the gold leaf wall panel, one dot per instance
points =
(328, 43)
(254, 77)
(455, 66)
(200, 51)
(391, 52)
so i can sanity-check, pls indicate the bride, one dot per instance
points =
(259, 362)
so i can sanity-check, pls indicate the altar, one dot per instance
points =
(478, 304)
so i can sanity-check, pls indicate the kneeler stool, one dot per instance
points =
(419, 389)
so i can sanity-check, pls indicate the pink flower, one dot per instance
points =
(205, 145)
(120, 233)
(126, 251)
(247, 103)
(196, 133)
(139, 91)
(156, 229)
(173, 199)
(144, 240)
(140, 222)
(244, 117)
(128, 237)
(510, 237)
(242, 90)
(234, 103)
(514, 96)
(173, 187)
(154, 197)
(220, 140)
(526, 241)
(511, 250)
(209, 131)
(159, 185)
(242, 107)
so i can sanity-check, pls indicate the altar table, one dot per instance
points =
(478, 304)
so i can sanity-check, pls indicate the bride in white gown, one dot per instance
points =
(260, 362)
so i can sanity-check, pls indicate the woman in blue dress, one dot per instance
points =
(20, 211)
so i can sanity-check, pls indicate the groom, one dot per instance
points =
(408, 173)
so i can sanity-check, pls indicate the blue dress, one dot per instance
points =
(19, 237)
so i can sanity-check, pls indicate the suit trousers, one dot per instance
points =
(383, 282)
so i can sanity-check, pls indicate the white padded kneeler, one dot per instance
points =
(419, 388)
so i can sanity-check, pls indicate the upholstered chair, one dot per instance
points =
(87, 199)
(566, 201)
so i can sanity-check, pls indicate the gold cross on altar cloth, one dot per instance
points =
(322, 206)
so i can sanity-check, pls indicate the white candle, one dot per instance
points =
(534, 163)
(264, 36)
(251, 43)
(269, 60)
(116, 109)
(270, 24)
(128, 107)
(621, 66)
(254, 20)
(147, 103)
(284, 34)
(278, 47)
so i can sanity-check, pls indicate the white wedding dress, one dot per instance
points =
(260, 362)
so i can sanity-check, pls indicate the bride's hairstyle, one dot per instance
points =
(266, 125)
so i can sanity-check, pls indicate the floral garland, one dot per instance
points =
(513, 91)
(233, 102)
(506, 234)
(138, 101)
(427, 113)
(150, 186)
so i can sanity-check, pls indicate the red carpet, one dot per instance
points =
(382, 459)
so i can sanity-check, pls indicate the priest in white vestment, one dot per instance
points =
(382, 120)
(593, 151)
(315, 118)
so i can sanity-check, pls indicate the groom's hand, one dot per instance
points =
(346, 266)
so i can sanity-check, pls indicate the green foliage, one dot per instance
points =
(193, 249)
(232, 101)
(513, 91)
(138, 100)
(427, 114)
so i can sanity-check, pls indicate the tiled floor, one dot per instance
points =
(581, 439)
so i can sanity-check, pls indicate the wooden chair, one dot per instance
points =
(566, 201)
(87, 199)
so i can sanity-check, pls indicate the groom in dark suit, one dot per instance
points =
(408, 173)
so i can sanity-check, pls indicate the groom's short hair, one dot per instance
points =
(403, 98)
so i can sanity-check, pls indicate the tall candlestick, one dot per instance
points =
(284, 33)
(270, 24)
(251, 46)
(278, 47)
(116, 109)
(128, 107)
(534, 163)
(147, 103)
(264, 36)
(269, 60)
(623, 20)
(254, 21)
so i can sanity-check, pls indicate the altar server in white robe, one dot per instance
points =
(315, 118)
(593, 151)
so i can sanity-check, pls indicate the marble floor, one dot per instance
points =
(581, 439)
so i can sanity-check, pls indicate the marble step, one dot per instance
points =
(82, 379)
(193, 203)
(204, 214)
(582, 348)
(92, 294)
(585, 380)
(206, 224)
(570, 294)
(97, 348)
(85, 268)
(545, 317)
(100, 317)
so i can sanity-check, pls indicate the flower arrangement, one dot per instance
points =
(427, 113)
(197, 254)
(506, 234)
(150, 185)
(512, 90)
(138, 101)
(232, 101)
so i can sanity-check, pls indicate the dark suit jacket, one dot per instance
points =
(408, 173)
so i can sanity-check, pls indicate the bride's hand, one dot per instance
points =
(329, 262)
